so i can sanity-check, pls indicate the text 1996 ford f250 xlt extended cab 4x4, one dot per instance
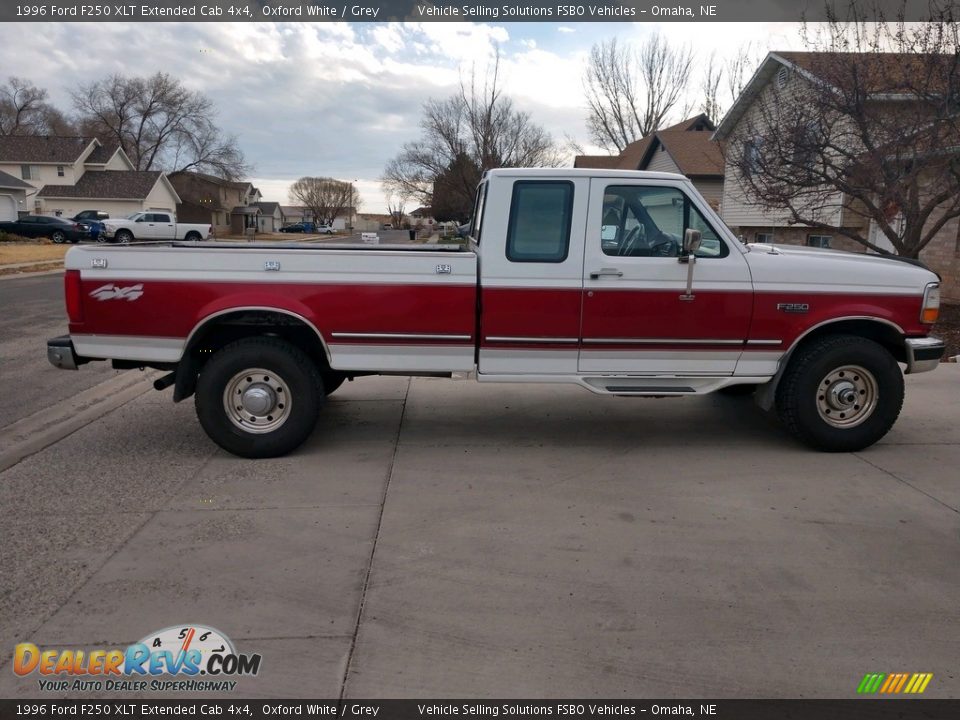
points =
(625, 283)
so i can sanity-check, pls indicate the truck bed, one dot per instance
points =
(376, 307)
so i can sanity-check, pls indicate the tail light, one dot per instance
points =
(72, 295)
(930, 310)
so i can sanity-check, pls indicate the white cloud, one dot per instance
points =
(565, 29)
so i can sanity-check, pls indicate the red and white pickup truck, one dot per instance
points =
(625, 283)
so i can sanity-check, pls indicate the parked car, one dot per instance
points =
(93, 219)
(324, 229)
(300, 227)
(671, 304)
(154, 225)
(60, 230)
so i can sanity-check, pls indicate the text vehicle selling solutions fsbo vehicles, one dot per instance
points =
(625, 283)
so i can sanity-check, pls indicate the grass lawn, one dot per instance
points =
(30, 252)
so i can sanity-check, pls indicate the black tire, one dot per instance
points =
(737, 390)
(286, 366)
(332, 380)
(124, 237)
(192, 236)
(58, 236)
(828, 370)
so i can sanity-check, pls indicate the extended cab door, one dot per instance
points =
(637, 316)
(531, 269)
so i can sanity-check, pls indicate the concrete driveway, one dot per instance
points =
(448, 539)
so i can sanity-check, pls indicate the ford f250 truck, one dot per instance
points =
(153, 225)
(625, 283)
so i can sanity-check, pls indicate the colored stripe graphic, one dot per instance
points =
(894, 683)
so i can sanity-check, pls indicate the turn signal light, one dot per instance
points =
(71, 292)
(930, 310)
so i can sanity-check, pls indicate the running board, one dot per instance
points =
(627, 389)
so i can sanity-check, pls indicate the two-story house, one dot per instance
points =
(685, 148)
(230, 206)
(65, 174)
(747, 123)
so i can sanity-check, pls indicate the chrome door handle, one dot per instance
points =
(605, 272)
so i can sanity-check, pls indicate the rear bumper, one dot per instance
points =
(923, 354)
(61, 354)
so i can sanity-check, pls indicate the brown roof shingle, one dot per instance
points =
(102, 154)
(694, 152)
(42, 148)
(107, 184)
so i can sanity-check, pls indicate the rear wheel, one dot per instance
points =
(59, 237)
(193, 236)
(124, 237)
(259, 397)
(840, 393)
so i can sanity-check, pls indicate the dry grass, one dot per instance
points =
(31, 252)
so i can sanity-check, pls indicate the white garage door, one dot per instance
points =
(8, 208)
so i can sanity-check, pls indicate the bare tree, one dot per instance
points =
(710, 89)
(630, 92)
(739, 68)
(396, 208)
(475, 130)
(326, 198)
(159, 123)
(872, 132)
(24, 110)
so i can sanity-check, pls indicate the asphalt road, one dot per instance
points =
(33, 313)
(439, 538)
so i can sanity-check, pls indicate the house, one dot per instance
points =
(62, 175)
(793, 72)
(228, 205)
(685, 148)
(271, 218)
(13, 197)
(117, 192)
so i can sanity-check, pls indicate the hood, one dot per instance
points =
(822, 270)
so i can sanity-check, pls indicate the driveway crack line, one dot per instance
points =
(373, 549)
(907, 483)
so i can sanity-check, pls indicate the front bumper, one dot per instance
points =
(923, 354)
(61, 354)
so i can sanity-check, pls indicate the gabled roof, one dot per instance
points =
(102, 154)
(234, 185)
(688, 143)
(109, 185)
(268, 208)
(43, 148)
(883, 74)
(9, 181)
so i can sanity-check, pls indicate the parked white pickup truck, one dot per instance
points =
(624, 283)
(153, 225)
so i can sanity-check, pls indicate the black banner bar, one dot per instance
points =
(865, 709)
(565, 11)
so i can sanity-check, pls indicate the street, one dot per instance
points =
(445, 538)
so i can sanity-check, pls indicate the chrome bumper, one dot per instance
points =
(61, 354)
(923, 354)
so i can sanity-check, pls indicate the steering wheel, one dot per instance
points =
(664, 246)
(629, 242)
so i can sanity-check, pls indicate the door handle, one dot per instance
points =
(605, 272)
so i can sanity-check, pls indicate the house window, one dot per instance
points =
(750, 162)
(60, 172)
(764, 238)
(819, 241)
(29, 172)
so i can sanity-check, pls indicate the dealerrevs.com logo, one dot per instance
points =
(191, 657)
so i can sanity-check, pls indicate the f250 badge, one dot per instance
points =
(793, 307)
(115, 292)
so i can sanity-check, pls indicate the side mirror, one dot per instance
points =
(691, 241)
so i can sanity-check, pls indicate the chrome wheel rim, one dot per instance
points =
(59, 237)
(847, 396)
(257, 401)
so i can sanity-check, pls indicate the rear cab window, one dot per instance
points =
(539, 225)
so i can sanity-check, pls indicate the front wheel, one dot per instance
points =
(840, 393)
(124, 237)
(59, 237)
(259, 397)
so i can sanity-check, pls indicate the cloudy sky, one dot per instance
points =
(341, 99)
